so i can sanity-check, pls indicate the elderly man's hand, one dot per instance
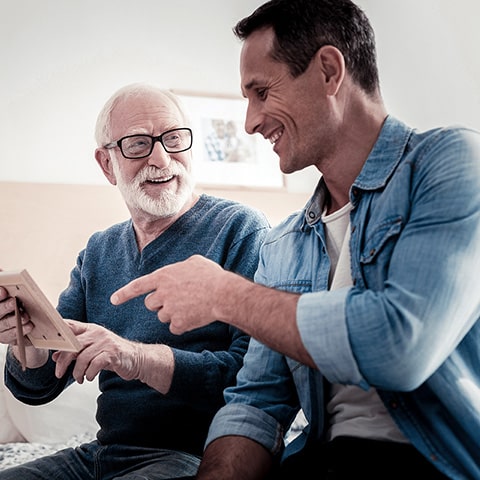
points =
(101, 350)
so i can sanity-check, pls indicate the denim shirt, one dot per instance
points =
(409, 324)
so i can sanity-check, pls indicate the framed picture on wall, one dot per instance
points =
(224, 155)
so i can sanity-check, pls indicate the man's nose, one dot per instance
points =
(252, 119)
(159, 157)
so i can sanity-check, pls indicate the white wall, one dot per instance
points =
(428, 59)
(61, 59)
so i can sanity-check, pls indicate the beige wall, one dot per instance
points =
(44, 226)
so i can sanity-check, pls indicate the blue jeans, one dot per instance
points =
(92, 461)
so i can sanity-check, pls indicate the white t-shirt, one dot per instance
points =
(353, 411)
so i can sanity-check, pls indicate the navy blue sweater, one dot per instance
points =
(206, 359)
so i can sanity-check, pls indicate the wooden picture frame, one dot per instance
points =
(232, 158)
(50, 329)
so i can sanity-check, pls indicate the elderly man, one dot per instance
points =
(159, 391)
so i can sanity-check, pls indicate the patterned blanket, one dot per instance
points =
(12, 454)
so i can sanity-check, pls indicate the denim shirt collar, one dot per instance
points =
(387, 152)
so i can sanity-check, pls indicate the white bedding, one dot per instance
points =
(28, 432)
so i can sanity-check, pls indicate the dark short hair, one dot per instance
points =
(302, 27)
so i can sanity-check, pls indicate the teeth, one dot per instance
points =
(276, 136)
(160, 180)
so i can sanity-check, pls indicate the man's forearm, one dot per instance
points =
(234, 458)
(195, 292)
(264, 313)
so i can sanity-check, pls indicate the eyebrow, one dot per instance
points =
(250, 85)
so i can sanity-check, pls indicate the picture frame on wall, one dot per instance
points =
(224, 155)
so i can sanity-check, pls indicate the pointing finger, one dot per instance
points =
(133, 289)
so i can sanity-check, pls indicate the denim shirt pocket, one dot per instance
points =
(379, 243)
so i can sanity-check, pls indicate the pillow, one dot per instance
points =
(8, 431)
(71, 413)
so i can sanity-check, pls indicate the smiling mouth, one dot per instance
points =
(160, 180)
(275, 136)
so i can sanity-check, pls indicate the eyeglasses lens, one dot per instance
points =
(173, 141)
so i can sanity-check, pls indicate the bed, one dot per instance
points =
(28, 432)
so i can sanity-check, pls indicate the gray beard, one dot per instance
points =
(168, 204)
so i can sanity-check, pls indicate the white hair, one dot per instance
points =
(103, 125)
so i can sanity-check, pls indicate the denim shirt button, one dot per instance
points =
(356, 194)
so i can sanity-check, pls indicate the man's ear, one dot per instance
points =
(103, 159)
(331, 63)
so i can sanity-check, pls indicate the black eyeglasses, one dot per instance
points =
(141, 146)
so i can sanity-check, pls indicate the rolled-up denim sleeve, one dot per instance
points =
(330, 335)
(247, 421)
(263, 402)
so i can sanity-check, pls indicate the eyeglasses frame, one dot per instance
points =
(158, 138)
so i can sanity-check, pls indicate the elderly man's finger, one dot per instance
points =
(62, 360)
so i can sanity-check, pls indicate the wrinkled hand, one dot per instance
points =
(102, 350)
(8, 323)
(183, 293)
